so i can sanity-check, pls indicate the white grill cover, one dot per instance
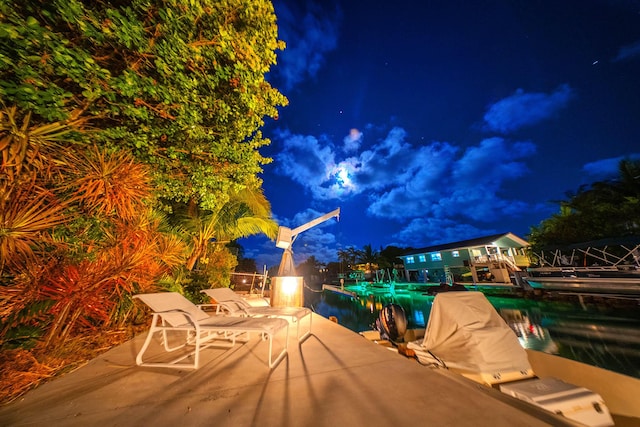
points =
(466, 333)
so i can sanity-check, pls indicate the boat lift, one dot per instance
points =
(286, 237)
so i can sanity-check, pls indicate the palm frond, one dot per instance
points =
(25, 220)
(110, 183)
(27, 147)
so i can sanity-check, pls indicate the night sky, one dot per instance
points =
(436, 121)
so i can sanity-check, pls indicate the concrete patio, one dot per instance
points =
(335, 378)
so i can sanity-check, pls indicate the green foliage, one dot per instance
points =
(245, 213)
(369, 257)
(20, 328)
(181, 85)
(601, 210)
(23, 336)
(390, 257)
(214, 270)
(110, 109)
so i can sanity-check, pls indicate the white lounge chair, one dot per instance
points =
(173, 312)
(230, 302)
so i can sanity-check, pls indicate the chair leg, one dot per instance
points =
(273, 363)
(196, 355)
(147, 341)
(307, 332)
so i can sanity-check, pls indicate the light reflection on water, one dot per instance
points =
(601, 336)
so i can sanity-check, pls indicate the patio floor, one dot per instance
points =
(334, 378)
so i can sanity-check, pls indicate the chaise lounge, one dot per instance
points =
(229, 302)
(173, 312)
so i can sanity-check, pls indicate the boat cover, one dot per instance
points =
(466, 333)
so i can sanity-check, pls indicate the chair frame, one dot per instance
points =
(227, 301)
(202, 332)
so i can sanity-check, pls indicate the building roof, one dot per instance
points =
(471, 243)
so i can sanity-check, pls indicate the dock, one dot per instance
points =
(339, 290)
(336, 377)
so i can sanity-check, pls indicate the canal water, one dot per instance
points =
(603, 334)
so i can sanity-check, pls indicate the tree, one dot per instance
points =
(211, 232)
(180, 85)
(110, 113)
(603, 209)
(369, 257)
(348, 257)
(310, 269)
(334, 269)
(247, 265)
(390, 257)
(245, 213)
(110, 109)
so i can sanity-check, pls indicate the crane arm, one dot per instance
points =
(315, 222)
(286, 236)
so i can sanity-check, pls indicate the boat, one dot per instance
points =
(466, 336)
(586, 280)
(605, 267)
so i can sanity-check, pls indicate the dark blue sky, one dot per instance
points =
(437, 121)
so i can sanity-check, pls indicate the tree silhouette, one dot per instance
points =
(603, 209)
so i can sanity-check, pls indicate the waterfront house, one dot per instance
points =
(489, 259)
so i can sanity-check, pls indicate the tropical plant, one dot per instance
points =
(245, 213)
(88, 292)
(32, 159)
(600, 210)
(75, 262)
(111, 112)
(179, 85)
(369, 257)
(348, 256)
(27, 214)
(27, 146)
(108, 184)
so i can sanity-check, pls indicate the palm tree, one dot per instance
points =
(368, 257)
(248, 212)
(348, 256)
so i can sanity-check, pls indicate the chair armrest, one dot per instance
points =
(233, 307)
(188, 317)
(218, 307)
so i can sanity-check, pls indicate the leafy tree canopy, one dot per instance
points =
(603, 209)
(179, 84)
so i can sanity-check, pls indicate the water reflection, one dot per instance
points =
(601, 336)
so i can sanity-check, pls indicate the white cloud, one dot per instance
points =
(403, 182)
(606, 168)
(352, 141)
(525, 109)
(307, 161)
(438, 230)
(629, 51)
(309, 34)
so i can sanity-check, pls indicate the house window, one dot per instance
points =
(436, 256)
(422, 258)
(409, 260)
(455, 254)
